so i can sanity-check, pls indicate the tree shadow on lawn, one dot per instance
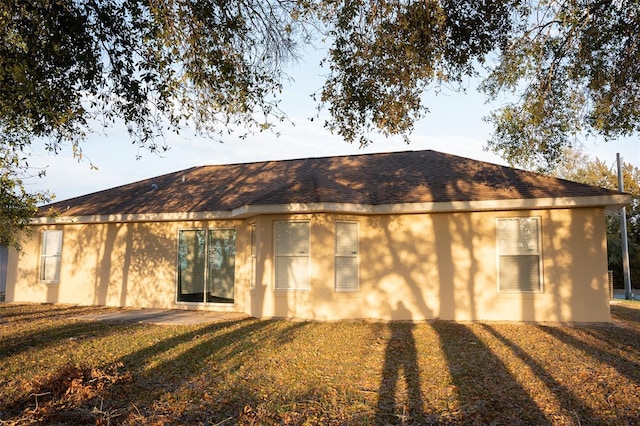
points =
(230, 372)
(621, 337)
(177, 383)
(622, 346)
(629, 316)
(569, 401)
(52, 335)
(487, 392)
(20, 312)
(56, 340)
(133, 383)
(610, 335)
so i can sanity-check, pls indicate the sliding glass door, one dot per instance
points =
(206, 265)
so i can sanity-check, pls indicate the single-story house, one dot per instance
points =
(410, 235)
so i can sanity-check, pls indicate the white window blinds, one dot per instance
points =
(254, 250)
(346, 262)
(519, 260)
(51, 256)
(292, 255)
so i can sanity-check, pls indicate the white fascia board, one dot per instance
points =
(610, 202)
(133, 217)
(607, 201)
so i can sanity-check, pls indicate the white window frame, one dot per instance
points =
(352, 254)
(253, 256)
(514, 247)
(46, 257)
(289, 257)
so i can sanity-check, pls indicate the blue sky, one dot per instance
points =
(454, 126)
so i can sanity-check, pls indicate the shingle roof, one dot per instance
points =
(368, 179)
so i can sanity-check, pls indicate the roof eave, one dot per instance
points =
(610, 202)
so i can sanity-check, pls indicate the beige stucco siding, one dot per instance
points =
(416, 266)
(115, 264)
(443, 265)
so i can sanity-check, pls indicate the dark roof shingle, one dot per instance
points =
(369, 179)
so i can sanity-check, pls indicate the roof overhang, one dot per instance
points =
(609, 202)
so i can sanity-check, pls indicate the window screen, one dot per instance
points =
(292, 255)
(346, 262)
(51, 256)
(518, 243)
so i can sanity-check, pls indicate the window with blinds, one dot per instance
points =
(254, 263)
(519, 259)
(346, 261)
(292, 255)
(50, 256)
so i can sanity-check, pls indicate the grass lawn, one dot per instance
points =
(58, 369)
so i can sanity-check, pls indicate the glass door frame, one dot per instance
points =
(205, 275)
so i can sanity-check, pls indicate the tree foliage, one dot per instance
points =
(577, 166)
(152, 64)
(573, 68)
(385, 54)
(17, 205)
(67, 66)
(562, 69)
(567, 67)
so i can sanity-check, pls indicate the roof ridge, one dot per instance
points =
(324, 157)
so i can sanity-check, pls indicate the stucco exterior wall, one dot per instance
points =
(115, 264)
(411, 267)
(427, 266)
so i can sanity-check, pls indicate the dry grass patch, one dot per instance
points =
(58, 369)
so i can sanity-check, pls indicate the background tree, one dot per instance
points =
(571, 67)
(17, 205)
(385, 54)
(66, 65)
(578, 167)
(567, 69)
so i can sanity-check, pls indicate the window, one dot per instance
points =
(519, 260)
(206, 265)
(292, 255)
(50, 256)
(254, 264)
(346, 256)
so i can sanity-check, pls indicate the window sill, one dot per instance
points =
(519, 294)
